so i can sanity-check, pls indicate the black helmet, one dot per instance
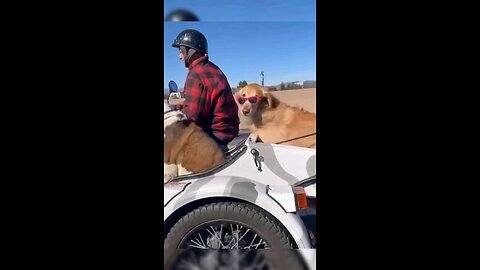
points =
(181, 15)
(192, 39)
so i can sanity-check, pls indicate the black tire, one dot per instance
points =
(265, 225)
(254, 217)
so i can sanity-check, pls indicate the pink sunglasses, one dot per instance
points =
(252, 99)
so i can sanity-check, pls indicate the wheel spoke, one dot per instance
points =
(252, 241)
(197, 245)
(259, 243)
(243, 235)
(236, 235)
(202, 240)
(212, 236)
(216, 236)
(221, 227)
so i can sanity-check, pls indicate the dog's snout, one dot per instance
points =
(245, 111)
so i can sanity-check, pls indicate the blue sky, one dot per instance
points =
(246, 10)
(285, 51)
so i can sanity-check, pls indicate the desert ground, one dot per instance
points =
(304, 98)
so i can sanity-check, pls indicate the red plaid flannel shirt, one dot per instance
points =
(209, 101)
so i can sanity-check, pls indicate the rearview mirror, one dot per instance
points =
(172, 86)
(174, 97)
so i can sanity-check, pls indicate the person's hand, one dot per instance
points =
(176, 103)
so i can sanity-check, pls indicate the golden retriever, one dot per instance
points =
(275, 122)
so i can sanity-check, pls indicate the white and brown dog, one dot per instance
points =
(187, 148)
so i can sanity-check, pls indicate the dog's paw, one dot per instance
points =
(169, 172)
(168, 177)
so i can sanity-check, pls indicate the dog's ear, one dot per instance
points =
(272, 101)
(236, 95)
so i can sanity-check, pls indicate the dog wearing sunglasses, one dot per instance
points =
(275, 122)
(187, 148)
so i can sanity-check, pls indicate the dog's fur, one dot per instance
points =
(273, 121)
(187, 148)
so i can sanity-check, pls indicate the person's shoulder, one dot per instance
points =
(207, 70)
(215, 70)
(212, 65)
(199, 69)
(194, 73)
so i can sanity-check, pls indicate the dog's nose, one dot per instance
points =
(245, 111)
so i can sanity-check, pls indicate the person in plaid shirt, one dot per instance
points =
(209, 100)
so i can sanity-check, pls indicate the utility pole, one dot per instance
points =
(263, 77)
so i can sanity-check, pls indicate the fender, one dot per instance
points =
(241, 188)
(172, 189)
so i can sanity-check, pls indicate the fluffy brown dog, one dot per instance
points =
(187, 148)
(275, 122)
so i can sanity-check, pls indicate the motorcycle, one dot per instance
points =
(262, 197)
